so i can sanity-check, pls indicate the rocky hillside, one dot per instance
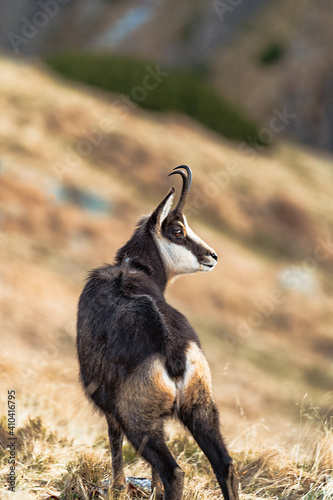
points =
(263, 54)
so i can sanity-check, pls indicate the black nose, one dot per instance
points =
(212, 254)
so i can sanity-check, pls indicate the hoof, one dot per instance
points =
(232, 483)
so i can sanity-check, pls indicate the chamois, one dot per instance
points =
(140, 360)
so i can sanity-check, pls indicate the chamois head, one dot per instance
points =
(181, 250)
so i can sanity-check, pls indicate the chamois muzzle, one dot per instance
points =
(187, 181)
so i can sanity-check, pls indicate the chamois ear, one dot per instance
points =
(161, 211)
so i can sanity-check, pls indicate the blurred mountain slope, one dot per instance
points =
(261, 54)
(78, 170)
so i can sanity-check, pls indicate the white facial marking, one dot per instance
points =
(177, 259)
(191, 234)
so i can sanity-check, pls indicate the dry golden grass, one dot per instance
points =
(52, 466)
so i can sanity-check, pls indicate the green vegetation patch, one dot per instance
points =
(158, 89)
(271, 54)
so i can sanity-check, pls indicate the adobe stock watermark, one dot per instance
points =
(277, 296)
(278, 122)
(39, 20)
(225, 7)
(11, 439)
(218, 181)
(94, 137)
(55, 345)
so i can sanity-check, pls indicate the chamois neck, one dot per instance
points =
(141, 253)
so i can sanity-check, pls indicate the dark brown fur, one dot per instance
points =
(141, 361)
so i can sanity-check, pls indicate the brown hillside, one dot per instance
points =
(78, 169)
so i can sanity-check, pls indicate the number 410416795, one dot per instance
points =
(11, 412)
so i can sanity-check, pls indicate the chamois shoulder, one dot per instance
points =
(122, 280)
(125, 307)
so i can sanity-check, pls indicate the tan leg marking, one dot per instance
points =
(196, 387)
(148, 392)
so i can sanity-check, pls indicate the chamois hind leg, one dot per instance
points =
(156, 485)
(151, 445)
(203, 422)
(116, 437)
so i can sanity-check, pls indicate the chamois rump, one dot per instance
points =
(140, 360)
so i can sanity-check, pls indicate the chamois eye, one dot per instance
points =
(177, 232)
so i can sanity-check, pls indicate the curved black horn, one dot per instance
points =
(187, 181)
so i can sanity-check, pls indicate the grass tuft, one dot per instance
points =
(85, 476)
